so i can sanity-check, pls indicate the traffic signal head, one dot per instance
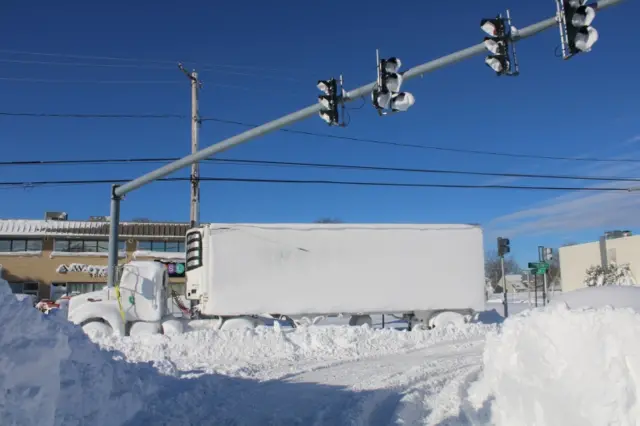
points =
(325, 86)
(329, 101)
(391, 65)
(497, 63)
(497, 47)
(503, 246)
(402, 101)
(493, 27)
(548, 254)
(497, 44)
(386, 94)
(580, 35)
(393, 81)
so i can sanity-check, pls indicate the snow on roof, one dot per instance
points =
(26, 227)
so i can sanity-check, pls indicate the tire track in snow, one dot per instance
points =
(291, 371)
(413, 387)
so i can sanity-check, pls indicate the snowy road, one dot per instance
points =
(415, 386)
(424, 386)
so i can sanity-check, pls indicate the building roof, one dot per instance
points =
(19, 227)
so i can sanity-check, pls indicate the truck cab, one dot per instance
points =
(140, 304)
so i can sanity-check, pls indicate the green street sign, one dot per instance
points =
(538, 268)
(538, 271)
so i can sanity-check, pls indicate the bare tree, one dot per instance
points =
(493, 269)
(328, 220)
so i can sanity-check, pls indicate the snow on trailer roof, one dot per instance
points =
(337, 226)
(31, 227)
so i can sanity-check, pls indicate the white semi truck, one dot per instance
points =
(240, 274)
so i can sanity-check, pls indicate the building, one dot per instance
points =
(515, 283)
(619, 247)
(51, 257)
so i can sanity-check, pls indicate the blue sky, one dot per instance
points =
(260, 60)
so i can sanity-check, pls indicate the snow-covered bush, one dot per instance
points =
(612, 274)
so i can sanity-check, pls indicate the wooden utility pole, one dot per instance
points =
(194, 215)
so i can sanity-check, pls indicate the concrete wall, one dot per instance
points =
(576, 259)
(42, 268)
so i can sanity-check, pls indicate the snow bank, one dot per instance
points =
(52, 374)
(269, 353)
(598, 297)
(558, 366)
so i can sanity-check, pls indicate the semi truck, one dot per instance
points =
(241, 275)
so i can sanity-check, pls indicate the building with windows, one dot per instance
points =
(52, 257)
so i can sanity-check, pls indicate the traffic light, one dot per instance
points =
(503, 246)
(548, 254)
(386, 94)
(498, 44)
(329, 101)
(577, 34)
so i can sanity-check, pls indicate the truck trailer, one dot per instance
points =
(240, 274)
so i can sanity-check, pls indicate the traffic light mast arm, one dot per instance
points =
(314, 109)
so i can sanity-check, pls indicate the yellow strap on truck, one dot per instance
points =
(120, 303)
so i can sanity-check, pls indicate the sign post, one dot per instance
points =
(538, 268)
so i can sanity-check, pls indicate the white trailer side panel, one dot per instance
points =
(319, 268)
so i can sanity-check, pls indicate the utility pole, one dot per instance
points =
(194, 214)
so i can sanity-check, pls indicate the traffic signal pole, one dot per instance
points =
(504, 288)
(120, 191)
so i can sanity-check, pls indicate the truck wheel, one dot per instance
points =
(144, 328)
(238, 323)
(359, 320)
(444, 319)
(173, 326)
(97, 328)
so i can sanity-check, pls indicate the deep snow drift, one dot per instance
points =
(269, 353)
(558, 366)
(52, 374)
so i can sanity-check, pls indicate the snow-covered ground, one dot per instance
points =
(561, 365)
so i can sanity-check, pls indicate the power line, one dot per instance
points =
(430, 147)
(19, 184)
(138, 60)
(142, 66)
(54, 115)
(235, 161)
(339, 137)
(87, 64)
(214, 84)
(47, 80)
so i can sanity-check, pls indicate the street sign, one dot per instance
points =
(538, 268)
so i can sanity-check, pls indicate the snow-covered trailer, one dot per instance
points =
(429, 273)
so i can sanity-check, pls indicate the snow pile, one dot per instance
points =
(558, 366)
(600, 297)
(52, 374)
(270, 353)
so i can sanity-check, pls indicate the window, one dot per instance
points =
(19, 245)
(25, 288)
(162, 246)
(84, 246)
(80, 288)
